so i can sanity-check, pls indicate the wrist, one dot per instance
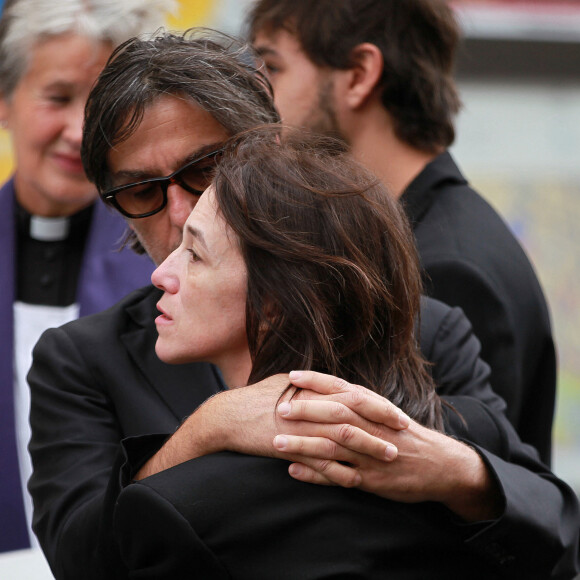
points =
(474, 494)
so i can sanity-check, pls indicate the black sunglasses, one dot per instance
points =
(148, 197)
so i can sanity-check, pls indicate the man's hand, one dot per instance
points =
(429, 467)
(241, 419)
(245, 420)
(336, 433)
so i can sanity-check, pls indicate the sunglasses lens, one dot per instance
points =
(148, 197)
(198, 176)
(140, 199)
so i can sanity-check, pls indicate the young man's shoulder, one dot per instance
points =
(457, 226)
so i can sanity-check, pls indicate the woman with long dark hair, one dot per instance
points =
(294, 258)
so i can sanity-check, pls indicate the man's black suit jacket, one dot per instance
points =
(472, 260)
(239, 517)
(97, 381)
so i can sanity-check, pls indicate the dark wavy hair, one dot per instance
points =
(333, 275)
(417, 38)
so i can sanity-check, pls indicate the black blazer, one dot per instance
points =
(472, 260)
(93, 383)
(239, 517)
(231, 516)
(97, 381)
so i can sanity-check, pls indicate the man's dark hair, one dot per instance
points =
(417, 38)
(211, 70)
(333, 273)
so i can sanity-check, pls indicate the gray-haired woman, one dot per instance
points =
(57, 259)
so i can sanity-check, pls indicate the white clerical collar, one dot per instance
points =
(49, 229)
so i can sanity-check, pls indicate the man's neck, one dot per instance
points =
(375, 145)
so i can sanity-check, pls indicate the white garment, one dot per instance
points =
(30, 321)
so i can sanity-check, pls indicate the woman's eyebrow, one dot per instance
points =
(198, 235)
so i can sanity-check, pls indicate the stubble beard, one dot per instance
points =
(322, 118)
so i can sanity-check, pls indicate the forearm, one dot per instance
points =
(457, 367)
(200, 434)
(241, 420)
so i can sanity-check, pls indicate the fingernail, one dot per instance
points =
(284, 409)
(295, 375)
(280, 442)
(391, 452)
(295, 470)
(404, 420)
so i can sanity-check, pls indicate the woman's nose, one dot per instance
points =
(164, 277)
(73, 131)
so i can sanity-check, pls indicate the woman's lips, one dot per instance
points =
(70, 163)
(164, 318)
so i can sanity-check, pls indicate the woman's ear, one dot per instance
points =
(363, 75)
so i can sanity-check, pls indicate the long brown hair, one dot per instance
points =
(333, 277)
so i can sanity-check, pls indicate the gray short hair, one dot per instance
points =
(24, 23)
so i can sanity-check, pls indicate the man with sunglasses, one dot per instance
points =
(105, 409)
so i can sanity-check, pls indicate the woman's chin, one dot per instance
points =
(169, 355)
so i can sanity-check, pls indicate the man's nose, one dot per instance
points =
(180, 204)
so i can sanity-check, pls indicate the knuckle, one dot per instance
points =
(351, 479)
(339, 412)
(324, 466)
(330, 449)
(346, 433)
(355, 399)
(297, 409)
(296, 444)
(377, 430)
(340, 385)
(391, 410)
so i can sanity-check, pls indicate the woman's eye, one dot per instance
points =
(59, 99)
(194, 256)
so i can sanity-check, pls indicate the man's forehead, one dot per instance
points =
(173, 110)
(171, 132)
(277, 43)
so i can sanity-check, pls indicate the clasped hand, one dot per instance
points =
(347, 435)
(336, 433)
